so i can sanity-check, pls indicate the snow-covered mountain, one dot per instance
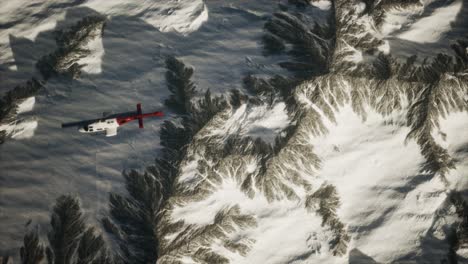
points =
(334, 132)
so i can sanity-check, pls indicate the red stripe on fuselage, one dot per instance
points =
(123, 120)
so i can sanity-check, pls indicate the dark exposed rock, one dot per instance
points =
(70, 241)
(310, 46)
(357, 257)
(32, 251)
(13, 97)
(178, 79)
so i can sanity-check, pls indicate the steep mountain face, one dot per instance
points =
(365, 170)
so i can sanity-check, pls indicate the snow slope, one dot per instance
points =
(267, 239)
(452, 135)
(93, 62)
(21, 127)
(402, 29)
(424, 29)
(431, 28)
(257, 122)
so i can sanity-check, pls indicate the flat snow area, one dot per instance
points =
(385, 199)
(322, 4)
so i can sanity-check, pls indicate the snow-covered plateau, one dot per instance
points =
(295, 131)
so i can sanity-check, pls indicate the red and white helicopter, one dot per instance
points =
(111, 123)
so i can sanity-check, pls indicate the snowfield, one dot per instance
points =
(93, 62)
(26, 106)
(257, 122)
(431, 28)
(424, 28)
(377, 176)
(452, 135)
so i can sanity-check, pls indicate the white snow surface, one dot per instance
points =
(285, 229)
(183, 16)
(92, 62)
(265, 122)
(379, 184)
(425, 29)
(322, 4)
(355, 56)
(431, 28)
(21, 127)
(396, 18)
(26, 106)
(453, 136)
